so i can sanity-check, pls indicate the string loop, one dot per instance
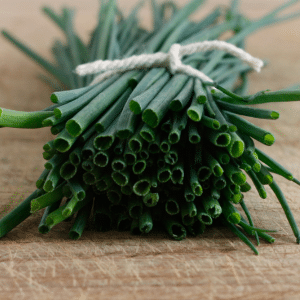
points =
(170, 60)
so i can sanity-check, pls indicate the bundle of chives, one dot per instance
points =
(145, 146)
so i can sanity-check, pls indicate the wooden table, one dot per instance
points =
(115, 265)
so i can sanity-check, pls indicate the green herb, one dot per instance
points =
(146, 147)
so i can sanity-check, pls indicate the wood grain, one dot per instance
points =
(120, 266)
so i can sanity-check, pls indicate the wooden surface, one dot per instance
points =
(117, 265)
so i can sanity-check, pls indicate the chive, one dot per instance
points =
(22, 119)
(135, 208)
(209, 110)
(195, 111)
(53, 179)
(157, 108)
(194, 182)
(105, 139)
(66, 191)
(203, 173)
(18, 214)
(273, 164)
(178, 173)
(64, 97)
(183, 98)
(196, 228)
(213, 164)
(127, 189)
(77, 187)
(56, 129)
(264, 176)
(47, 199)
(215, 193)
(161, 163)
(203, 216)
(139, 103)
(118, 164)
(88, 134)
(144, 153)
(48, 146)
(112, 113)
(64, 141)
(119, 147)
(243, 165)
(136, 142)
(128, 120)
(174, 229)
(67, 170)
(68, 210)
(101, 158)
(254, 131)
(77, 124)
(245, 209)
(232, 128)
(148, 133)
(277, 191)
(219, 139)
(164, 174)
(172, 207)
(72, 107)
(194, 137)
(189, 194)
(145, 221)
(43, 227)
(139, 166)
(220, 155)
(129, 156)
(41, 180)
(88, 165)
(210, 122)
(212, 206)
(234, 174)
(154, 147)
(151, 199)
(230, 213)
(49, 155)
(188, 212)
(166, 126)
(252, 161)
(219, 182)
(171, 157)
(179, 124)
(142, 186)
(259, 186)
(57, 159)
(235, 230)
(104, 183)
(80, 222)
(165, 146)
(236, 146)
(245, 187)
(121, 178)
(249, 111)
(57, 216)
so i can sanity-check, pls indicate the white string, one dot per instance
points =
(170, 60)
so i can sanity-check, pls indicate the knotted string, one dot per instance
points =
(170, 60)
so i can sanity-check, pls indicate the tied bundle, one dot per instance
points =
(146, 148)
